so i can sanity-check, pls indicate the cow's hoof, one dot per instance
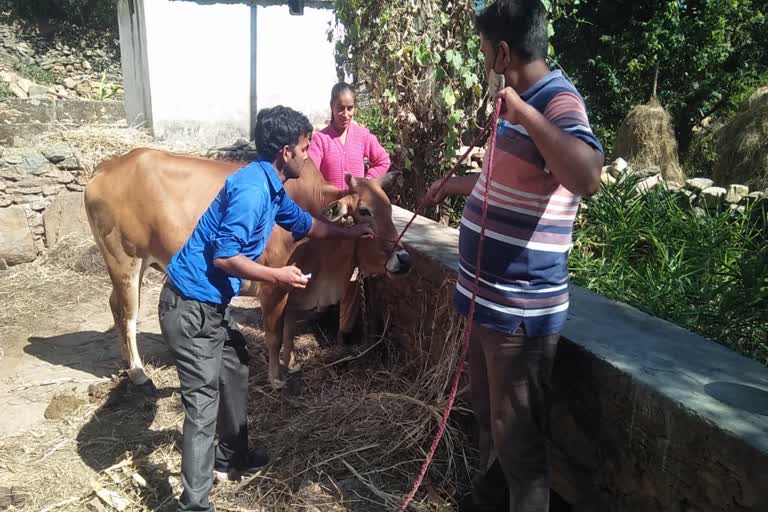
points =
(296, 368)
(148, 388)
(277, 384)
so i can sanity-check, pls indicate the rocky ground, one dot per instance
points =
(57, 60)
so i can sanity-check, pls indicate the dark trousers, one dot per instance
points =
(510, 379)
(212, 362)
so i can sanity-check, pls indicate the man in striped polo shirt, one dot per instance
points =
(546, 157)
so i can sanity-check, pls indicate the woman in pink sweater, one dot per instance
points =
(343, 146)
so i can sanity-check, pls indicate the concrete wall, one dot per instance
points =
(646, 417)
(295, 62)
(200, 70)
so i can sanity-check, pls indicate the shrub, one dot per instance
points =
(705, 271)
(35, 73)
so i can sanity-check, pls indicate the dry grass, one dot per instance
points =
(646, 138)
(743, 145)
(348, 433)
(91, 145)
(70, 273)
(364, 426)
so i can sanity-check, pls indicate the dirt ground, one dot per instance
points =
(348, 433)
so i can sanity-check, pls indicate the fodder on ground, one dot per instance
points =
(349, 433)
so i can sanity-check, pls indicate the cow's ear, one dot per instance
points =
(335, 211)
(389, 180)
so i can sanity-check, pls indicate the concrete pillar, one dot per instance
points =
(133, 53)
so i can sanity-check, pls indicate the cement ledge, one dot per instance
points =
(703, 376)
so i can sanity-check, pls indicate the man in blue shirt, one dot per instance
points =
(210, 353)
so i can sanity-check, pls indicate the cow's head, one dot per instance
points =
(368, 203)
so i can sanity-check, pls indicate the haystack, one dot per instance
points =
(743, 145)
(646, 139)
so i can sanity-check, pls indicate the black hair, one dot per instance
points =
(278, 127)
(339, 89)
(522, 24)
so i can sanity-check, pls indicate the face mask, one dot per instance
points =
(495, 83)
(480, 5)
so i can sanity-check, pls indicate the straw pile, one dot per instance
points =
(91, 145)
(743, 145)
(646, 139)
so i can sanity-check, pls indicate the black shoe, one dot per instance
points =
(254, 462)
(468, 504)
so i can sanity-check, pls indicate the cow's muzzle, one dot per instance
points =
(399, 262)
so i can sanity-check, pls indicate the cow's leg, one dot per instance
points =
(289, 334)
(273, 310)
(124, 302)
(349, 310)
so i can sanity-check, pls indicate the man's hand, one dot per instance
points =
(363, 231)
(512, 105)
(436, 194)
(455, 186)
(290, 277)
(325, 230)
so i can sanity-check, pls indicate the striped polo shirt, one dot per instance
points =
(524, 271)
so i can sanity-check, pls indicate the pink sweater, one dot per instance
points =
(335, 159)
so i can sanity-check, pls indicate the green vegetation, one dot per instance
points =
(710, 56)
(419, 66)
(35, 73)
(5, 92)
(706, 271)
(98, 14)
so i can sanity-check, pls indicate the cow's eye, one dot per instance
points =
(365, 212)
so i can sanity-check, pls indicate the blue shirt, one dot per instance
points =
(238, 221)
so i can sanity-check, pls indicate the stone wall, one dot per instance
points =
(698, 194)
(647, 417)
(41, 186)
(75, 62)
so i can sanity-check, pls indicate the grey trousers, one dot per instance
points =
(510, 380)
(212, 363)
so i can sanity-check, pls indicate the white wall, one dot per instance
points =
(199, 69)
(295, 63)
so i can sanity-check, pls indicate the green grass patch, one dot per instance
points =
(36, 74)
(705, 271)
(5, 91)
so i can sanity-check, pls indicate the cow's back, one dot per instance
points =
(151, 200)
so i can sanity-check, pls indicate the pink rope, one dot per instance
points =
(454, 170)
(470, 316)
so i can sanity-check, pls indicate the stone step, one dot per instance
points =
(21, 134)
(90, 111)
(14, 110)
